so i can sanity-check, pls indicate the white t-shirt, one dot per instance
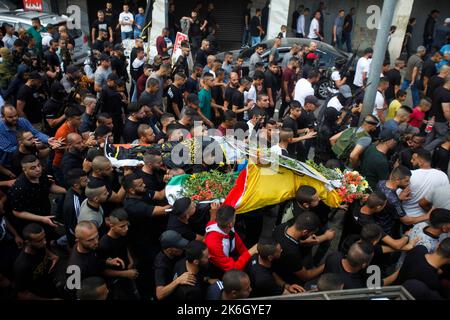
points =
(314, 26)
(301, 24)
(126, 17)
(380, 103)
(46, 38)
(336, 76)
(335, 103)
(362, 66)
(303, 88)
(423, 181)
(252, 94)
(276, 150)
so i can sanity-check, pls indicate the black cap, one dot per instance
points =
(34, 75)
(113, 77)
(181, 205)
(193, 98)
(172, 239)
(165, 56)
(104, 57)
(313, 100)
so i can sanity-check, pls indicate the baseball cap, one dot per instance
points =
(193, 98)
(313, 100)
(34, 75)
(165, 56)
(172, 239)
(346, 91)
(181, 205)
(104, 57)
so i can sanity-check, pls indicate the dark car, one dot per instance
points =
(328, 56)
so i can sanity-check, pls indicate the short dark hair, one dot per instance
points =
(305, 194)
(330, 282)
(31, 229)
(401, 172)
(102, 131)
(128, 181)
(73, 111)
(194, 250)
(307, 221)
(401, 93)
(439, 217)
(313, 74)
(29, 158)
(89, 287)
(73, 176)
(371, 232)
(232, 280)
(444, 248)
(36, 19)
(258, 75)
(376, 199)
(225, 215)
(294, 104)
(424, 155)
(266, 248)
(119, 214)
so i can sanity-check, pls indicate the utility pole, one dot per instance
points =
(387, 15)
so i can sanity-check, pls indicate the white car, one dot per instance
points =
(22, 19)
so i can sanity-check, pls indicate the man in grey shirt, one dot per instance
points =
(102, 73)
(160, 75)
(337, 29)
(294, 51)
(91, 209)
(255, 58)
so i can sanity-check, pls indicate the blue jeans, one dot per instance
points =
(255, 41)
(339, 42)
(126, 35)
(414, 91)
(347, 39)
(135, 92)
(245, 37)
(137, 33)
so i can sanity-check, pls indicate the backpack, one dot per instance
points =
(346, 143)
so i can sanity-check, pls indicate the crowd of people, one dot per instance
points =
(65, 211)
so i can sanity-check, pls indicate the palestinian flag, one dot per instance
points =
(258, 187)
(174, 188)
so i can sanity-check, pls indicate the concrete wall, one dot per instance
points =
(362, 35)
(83, 4)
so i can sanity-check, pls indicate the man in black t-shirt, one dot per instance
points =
(352, 268)
(34, 265)
(259, 269)
(175, 100)
(395, 79)
(291, 122)
(146, 223)
(28, 103)
(132, 123)
(423, 266)
(272, 85)
(230, 90)
(115, 244)
(347, 29)
(439, 110)
(101, 24)
(195, 263)
(53, 110)
(183, 209)
(429, 68)
(256, 29)
(293, 239)
(172, 246)
(99, 43)
(29, 196)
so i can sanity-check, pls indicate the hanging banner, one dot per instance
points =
(32, 5)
